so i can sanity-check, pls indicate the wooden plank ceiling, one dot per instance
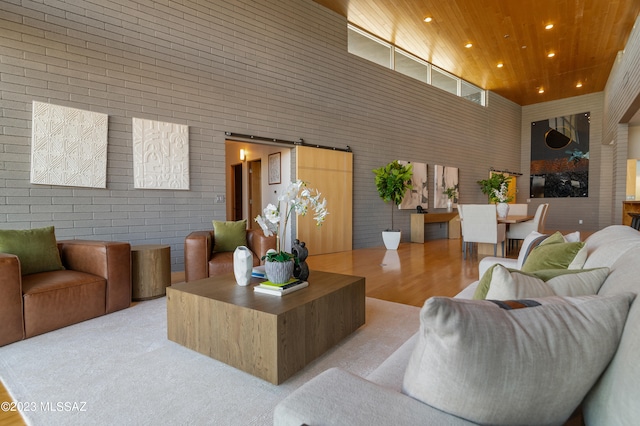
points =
(585, 38)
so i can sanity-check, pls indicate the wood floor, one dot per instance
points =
(409, 275)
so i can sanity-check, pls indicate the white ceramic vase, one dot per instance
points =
(242, 265)
(502, 209)
(449, 205)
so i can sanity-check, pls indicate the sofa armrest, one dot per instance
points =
(12, 328)
(337, 397)
(107, 259)
(259, 244)
(197, 252)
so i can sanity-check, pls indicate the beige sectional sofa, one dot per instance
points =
(552, 373)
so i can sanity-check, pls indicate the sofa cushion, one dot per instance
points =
(559, 255)
(36, 248)
(509, 284)
(513, 367)
(229, 235)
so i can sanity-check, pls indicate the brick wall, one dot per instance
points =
(276, 68)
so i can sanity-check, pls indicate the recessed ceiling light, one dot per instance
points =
(428, 19)
(579, 85)
(548, 27)
(551, 55)
(500, 65)
(468, 45)
(540, 90)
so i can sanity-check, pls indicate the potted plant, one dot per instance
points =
(452, 195)
(296, 198)
(392, 183)
(497, 188)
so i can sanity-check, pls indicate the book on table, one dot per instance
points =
(258, 272)
(267, 287)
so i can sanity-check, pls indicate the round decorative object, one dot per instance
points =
(278, 272)
(301, 270)
(503, 209)
(242, 265)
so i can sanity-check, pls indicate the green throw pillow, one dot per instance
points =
(229, 235)
(553, 239)
(36, 248)
(552, 256)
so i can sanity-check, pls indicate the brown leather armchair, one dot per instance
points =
(200, 261)
(96, 281)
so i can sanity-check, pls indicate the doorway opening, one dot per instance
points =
(236, 191)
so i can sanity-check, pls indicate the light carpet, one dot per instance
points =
(122, 369)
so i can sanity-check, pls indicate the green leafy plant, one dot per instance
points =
(392, 183)
(279, 256)
(496, 187)
(451, 192)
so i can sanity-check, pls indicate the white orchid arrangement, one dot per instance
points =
(501, 195)
(298, 198)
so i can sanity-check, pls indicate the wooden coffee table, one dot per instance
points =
(267, 336)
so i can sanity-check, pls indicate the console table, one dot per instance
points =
(418, 221)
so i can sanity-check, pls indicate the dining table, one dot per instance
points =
(514, 219)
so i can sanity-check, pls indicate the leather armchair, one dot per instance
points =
(96, 281)
(200, 261)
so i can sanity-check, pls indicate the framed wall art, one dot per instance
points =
(560, 156)
(418, 195)
(160, 155)
(444, 178)
(68, 146)
(274, 168)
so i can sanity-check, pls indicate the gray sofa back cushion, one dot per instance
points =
(615, 398)
(525, 366)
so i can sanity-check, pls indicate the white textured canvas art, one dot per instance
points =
(68, 146)
(445, 177)
(418, 194)
(160, 155)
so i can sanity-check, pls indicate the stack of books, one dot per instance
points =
(258, 272)
(267, 287)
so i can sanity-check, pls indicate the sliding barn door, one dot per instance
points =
(331, 172)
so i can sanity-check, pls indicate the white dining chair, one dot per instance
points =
(518, 231)
(518, 209)
(480, 225)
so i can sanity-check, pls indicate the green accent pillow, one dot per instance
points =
(229, 235)
(36, 248)
(551, 256)
(553, 239)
